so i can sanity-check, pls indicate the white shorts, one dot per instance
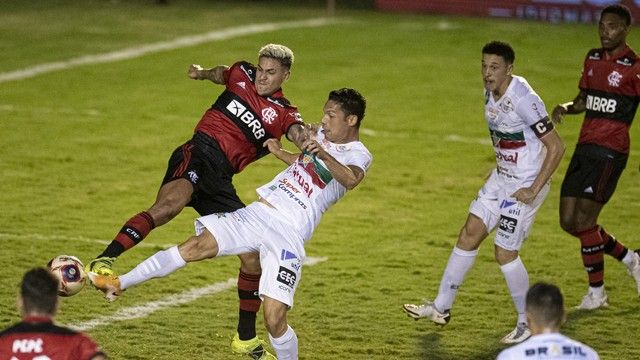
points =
(495, 207)
(257, 228)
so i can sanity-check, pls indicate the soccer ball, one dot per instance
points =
(70, 272)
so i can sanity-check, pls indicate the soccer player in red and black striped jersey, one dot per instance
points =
(36, 336)
(230, 136)
(609, 96)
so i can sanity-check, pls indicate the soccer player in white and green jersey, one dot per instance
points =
(528, 150)
(277, 226)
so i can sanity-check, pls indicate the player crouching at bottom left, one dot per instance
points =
(333, 160)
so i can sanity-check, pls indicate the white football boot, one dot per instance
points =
(591, 301)
(634, 269)
(427, 310)
(517, 335)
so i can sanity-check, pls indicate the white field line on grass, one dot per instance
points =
(143, 49)
(140, 311)
(40, 237)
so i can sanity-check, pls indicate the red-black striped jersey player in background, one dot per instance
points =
(609, 95)
(231, 135)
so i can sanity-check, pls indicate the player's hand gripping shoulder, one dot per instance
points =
(348, 176)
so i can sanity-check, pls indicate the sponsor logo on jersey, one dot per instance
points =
(291, 191)
(193, 176)
(286, 277)
(508, 224)
(601, 104)
(614, 78)
(555, 350)
(594, 56)
(246, 68)
(625, 61)
(506, 203)
(247, 117)
(506, 105)
(296, 115)
(512, 158)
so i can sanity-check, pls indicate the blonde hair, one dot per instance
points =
(279, 52)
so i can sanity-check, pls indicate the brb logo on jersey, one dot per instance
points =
(596, 103)
(247, 117)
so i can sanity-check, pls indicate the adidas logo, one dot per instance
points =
(589, 190)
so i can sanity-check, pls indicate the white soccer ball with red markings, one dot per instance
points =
(70, 272)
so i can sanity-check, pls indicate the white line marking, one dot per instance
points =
(136, 312)
(141, 50)
(39, 237)
(462, 139)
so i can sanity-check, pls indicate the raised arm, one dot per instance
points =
(578, 105)
(348, 176)
(215, 74)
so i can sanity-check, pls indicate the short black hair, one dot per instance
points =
(351, 102)
(39, 291)
(619, 10)
(501, 49)
(545, 304)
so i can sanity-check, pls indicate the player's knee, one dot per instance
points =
(275, 322)
(250, 263)
(199, 247)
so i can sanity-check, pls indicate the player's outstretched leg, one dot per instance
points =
(132, 232)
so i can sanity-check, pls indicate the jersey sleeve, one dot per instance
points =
(531, 109)
(238, 72)
(584, 78)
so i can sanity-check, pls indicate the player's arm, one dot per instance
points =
(215, 74)
(298, 133)
(348, 176)
(578, 105)
(555, 149)
(275, 147)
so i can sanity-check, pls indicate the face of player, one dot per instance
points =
(336, 125)
(613, 32)
(270, 76)
(496, 74)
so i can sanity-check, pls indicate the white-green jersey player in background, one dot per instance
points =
(280, 222)
(528, 151)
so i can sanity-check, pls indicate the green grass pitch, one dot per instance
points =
(84, 148)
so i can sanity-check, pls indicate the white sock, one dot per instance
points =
(628, 259)
(518, 283)
(597, 291)
(160, 264)
(286, 346)
(460, 262)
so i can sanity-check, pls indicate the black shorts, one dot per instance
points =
(593, 173)
(202, 162)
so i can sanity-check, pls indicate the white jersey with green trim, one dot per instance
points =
(306, 189)
(512, 120)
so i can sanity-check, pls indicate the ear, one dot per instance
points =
(352, 120)
(286, 75)
(510, 69)
(20, 304)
